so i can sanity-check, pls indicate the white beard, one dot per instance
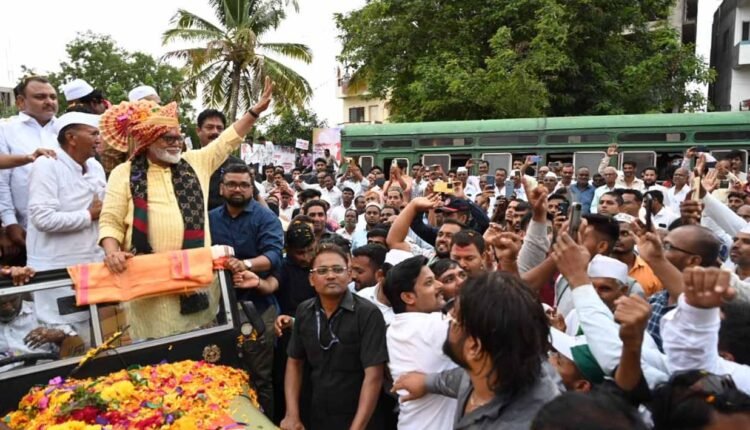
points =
(165, 156)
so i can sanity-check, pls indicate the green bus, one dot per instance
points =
(650, 140)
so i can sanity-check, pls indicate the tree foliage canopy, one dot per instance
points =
(478, 59)
(231, 62)
(98, 60)
(291, 124)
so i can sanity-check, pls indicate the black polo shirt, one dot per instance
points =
(337, 373)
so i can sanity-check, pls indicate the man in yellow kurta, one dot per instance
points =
(157, 202)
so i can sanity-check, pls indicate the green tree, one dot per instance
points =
(231, 61)
(479, 59)
(98, 60)
(290, 124)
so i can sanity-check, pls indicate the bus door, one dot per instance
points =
(589, 160)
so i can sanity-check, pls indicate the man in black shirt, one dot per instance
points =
(341, 336)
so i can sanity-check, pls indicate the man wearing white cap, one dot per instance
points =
(470, 189)
(144, 92)
(33, 129)
(83, 97)
(65, 200)
(610, 279)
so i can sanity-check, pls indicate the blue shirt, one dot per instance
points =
(254, 232)
(583, 196)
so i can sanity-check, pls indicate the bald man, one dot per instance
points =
(677, 193)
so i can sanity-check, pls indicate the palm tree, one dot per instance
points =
(231, 62)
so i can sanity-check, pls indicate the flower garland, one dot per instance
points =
(182, 395)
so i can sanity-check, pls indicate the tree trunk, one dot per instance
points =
(234, 93)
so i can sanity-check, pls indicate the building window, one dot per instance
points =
(745, 31)
(357, 114)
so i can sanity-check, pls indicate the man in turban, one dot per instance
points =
(157, 202)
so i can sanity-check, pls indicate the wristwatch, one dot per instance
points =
(248, 263)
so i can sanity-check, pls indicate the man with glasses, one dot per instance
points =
(257, 238)
(157, 202)
(341, 337)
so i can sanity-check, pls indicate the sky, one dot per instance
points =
(37, 38)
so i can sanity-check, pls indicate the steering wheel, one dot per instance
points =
(29, 359)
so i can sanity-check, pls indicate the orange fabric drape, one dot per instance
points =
(146, 275)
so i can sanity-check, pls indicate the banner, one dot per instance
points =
(302, 144)
(285, 157)
(257, 153)
(327, 138)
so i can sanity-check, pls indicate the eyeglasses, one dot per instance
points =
(668, 247)
(171, 139)
(235, 185)
(323, 270)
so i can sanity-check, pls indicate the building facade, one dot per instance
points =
(358, 106)
(730, 56)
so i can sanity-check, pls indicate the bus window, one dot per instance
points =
(362, 144)
(666, 164)
(578, 138)
(365, 163)
(719, 154)
(396, 144)
(718, 136)
(446, 141)
(444, 160)
(459, 160)
(642, 160)
(509, 139)
(498, 160)
(588, 159)
(651, 137)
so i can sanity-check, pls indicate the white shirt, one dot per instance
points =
(358, 187)
(664, 218)
(13, 333)
(371, 294)
(415, 343)
(345, 234)
(286, 214)
(22, 136)
(338, 212)
(690, 337)
(676, 197)
(60, 231)
(598, 195)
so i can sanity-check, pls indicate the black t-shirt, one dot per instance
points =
(294, 286)
(338, 351)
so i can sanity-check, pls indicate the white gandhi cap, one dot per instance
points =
(71, 118)
(76, 89)
(140, 92)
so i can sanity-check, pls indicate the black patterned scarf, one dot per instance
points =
(189, 194)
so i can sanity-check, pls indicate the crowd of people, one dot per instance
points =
(542, 297)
